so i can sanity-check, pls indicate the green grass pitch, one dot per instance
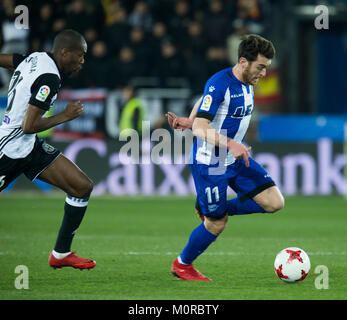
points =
(135, 239)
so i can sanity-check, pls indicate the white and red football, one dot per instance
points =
(292, 264)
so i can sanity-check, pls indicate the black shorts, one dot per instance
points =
(32, 165)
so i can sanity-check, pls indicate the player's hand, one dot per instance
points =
(178, 123)
(239, 151)
(73, 109)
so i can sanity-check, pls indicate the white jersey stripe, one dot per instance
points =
(13, 132)
(4, 137)
(228, 103)
(204, 153)
(248, 98)
(11, 136)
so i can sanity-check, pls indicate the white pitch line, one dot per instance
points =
(227, 253)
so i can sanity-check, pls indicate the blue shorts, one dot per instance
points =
(212, 188)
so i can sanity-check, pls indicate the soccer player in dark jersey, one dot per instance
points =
(219, 160)
(32, 91)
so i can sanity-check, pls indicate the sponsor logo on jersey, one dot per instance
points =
(206, 103)
(212, 207)
(7, 119)
(48, 148)
(211, 88)
(236, 95)
(43, 93)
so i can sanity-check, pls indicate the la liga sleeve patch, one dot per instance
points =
(43, 93)
(206, 103)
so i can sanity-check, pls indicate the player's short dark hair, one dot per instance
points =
(251, 45)
(69, 39)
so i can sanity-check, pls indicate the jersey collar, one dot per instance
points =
(56, 64)
(232, 76)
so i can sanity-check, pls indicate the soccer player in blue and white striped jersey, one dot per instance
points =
(219, 160)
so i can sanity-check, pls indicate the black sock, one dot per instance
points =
(73, 214)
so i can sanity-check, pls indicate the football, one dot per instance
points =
(292, 264)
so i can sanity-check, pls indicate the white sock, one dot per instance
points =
(180, 261)
(59, 255)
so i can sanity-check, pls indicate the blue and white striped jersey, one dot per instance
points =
(228, 103)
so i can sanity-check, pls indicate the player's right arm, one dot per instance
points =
(182, 123)
(194, 111)
(6, 61)
(10, 61)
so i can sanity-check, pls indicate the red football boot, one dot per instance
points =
(186, 272)
(71, 261)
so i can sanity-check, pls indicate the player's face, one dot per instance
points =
(74, 59)
(256, 70)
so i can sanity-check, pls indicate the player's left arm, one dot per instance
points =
(10, 61)
(202, 129)
(44, 88)
(34, 120)
(213, 98)
(205, 112)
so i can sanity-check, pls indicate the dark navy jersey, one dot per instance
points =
(227, 103)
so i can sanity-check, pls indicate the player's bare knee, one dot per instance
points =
(87, 188)
(276, 205)
(83, 189)
(216, 226)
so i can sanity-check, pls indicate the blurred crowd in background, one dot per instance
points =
(163, 43)
(154, 56)
(181, 43)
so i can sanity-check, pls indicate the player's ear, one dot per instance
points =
(243, 62)
(64, 52)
